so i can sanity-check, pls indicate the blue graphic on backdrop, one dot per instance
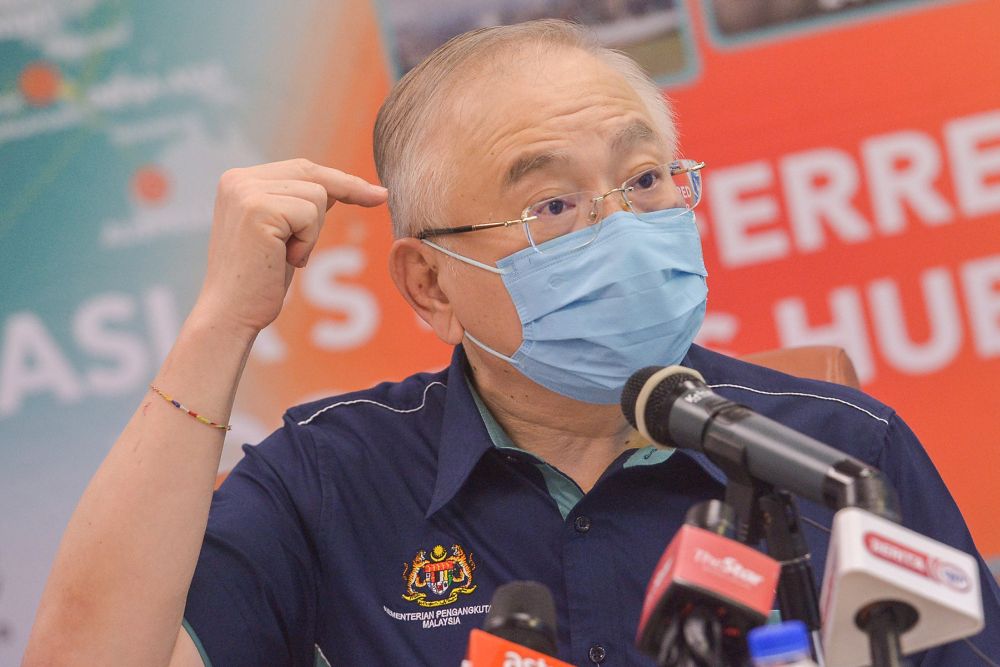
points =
(116, 120)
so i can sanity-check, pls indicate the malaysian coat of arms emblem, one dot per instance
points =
(440, 578)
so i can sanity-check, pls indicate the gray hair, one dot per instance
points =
(413, 173)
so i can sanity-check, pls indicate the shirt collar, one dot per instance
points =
(465, 439)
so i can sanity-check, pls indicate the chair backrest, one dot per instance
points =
(816, 362)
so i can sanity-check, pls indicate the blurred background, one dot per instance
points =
(852, 197)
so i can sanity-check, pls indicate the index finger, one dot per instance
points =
(340, 186)
(344, 187)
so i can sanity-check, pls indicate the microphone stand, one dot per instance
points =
(884, 622)
(797, 597)
(769, 514)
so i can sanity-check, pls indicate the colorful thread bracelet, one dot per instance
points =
(183, 408)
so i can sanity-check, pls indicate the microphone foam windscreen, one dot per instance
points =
(632, 388)
(648, 396)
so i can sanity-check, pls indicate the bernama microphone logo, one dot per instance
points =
(949, 574)
(729, 567)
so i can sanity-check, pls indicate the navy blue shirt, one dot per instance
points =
(374, 527)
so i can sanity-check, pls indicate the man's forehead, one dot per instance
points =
(513, 85)
(535, 110)
(631, 133)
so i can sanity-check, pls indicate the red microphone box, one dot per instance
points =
(486, 650)
(699, 560)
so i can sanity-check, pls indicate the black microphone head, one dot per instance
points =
(666, 381)
(632, 388)
(523, 612)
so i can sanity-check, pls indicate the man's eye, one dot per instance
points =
(553, 207)
(647, 180)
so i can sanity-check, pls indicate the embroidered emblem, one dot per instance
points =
(438, 576)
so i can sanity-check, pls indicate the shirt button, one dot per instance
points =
(582, 525)
(597, 654)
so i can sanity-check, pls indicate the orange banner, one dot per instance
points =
(852, 196)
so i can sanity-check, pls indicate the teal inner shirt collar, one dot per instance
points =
(564, 491)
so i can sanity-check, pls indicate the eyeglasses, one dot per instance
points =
(676, 184)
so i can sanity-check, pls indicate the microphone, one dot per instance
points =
(673, 406)
(706, 592)
(520, 629)
(891, 589)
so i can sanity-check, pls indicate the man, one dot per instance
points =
(544, 228)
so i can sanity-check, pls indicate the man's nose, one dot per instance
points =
(617, 203)
(612, 203)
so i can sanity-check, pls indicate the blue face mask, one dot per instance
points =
(591, 316)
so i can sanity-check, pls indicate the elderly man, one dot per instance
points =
(544, 228)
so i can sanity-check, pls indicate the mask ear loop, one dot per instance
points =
(462, 258)
(486, 348)
(483, 346)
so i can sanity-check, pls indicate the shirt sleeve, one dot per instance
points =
(252, 600)
(928, 508)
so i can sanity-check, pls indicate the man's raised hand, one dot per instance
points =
(267, 220)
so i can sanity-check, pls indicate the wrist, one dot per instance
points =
(206, 321)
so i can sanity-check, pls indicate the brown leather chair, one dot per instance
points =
(816, 362)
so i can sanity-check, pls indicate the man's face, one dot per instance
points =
(562, 122)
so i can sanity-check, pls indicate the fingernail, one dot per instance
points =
(378, 188)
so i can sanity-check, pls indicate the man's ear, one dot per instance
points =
(413, 267)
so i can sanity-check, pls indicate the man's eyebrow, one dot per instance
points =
(526, 164)
(636, 132)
